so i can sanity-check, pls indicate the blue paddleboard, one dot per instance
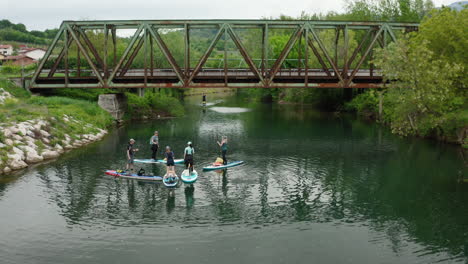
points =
(152, 161)
(170, 180)
(133, 176)
(220, 167)
(189, 177)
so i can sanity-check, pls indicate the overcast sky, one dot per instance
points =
(43, 14)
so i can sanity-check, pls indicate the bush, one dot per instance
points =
(366, 103)
(153, 103)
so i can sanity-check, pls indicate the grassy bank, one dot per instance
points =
(154, 103)
(24, 107)
(36, 128)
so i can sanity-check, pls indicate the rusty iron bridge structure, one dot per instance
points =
(319, 60)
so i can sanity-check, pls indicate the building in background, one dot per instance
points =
(20, 60)
(6, 50)
(34, 53)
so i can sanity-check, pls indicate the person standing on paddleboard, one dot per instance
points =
(130, 154)
(223, 145)
(154, 142)
(169, 160)
(188, 156)
(204, 99)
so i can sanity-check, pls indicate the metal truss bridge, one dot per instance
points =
(236, 54)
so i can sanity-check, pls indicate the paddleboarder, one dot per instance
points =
(154, 142)
(223, 145)
(169, 160)
(188, 156)
(130, 154)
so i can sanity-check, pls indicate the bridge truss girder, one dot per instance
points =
(116, 73)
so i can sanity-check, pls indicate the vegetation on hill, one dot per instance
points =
(12, 32)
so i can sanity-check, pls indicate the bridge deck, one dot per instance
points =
(238, 78)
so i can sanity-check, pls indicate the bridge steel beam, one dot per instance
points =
(326, 60)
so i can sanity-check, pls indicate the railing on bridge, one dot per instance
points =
(215, 53)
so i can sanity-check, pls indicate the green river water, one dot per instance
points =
(315, 188)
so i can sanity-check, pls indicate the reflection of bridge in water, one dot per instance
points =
(238, 53)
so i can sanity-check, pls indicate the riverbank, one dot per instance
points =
(35, 128)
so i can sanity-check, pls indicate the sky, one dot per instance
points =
(46, 14)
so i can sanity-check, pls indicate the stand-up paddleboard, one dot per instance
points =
(188, 177)
(152, 161)
(171, 180)
(221, 166)
(133, 176)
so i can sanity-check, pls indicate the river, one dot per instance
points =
(315, 188)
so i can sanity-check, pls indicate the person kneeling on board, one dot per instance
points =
(130, 154)
(188, 156)
(169, 161)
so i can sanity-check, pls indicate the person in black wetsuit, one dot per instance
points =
(130, 154)
(204, 99)
(169, 160)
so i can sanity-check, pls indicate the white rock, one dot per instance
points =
(14, 129)
(44, 133)
(50, 154)
(15, 162)
(9, 142)
(17, 137)
(6, 170)
(31, 154)
(7, 132)
(59, 148)
(46, 140)
(30, 133)
(22, 129)
(2, 145)
(19, 152)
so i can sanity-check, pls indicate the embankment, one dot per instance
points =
(35, 128)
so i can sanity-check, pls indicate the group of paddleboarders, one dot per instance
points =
(189, 152)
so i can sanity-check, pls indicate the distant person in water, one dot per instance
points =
(154, 142)
(130, 154)
(204, 99)
(188, 156)
(223, 145)
(169, 161)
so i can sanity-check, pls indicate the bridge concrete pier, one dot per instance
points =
(141, 92)
(115, 104)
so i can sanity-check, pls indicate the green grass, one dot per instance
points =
(81, 110)
(14, 90)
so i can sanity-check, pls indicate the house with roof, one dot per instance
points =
(20, 60)
(6, 49)
(34, 53)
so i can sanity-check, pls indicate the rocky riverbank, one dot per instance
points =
(33, 141)
(25, 140)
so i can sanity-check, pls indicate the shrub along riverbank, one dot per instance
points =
(427, 96)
